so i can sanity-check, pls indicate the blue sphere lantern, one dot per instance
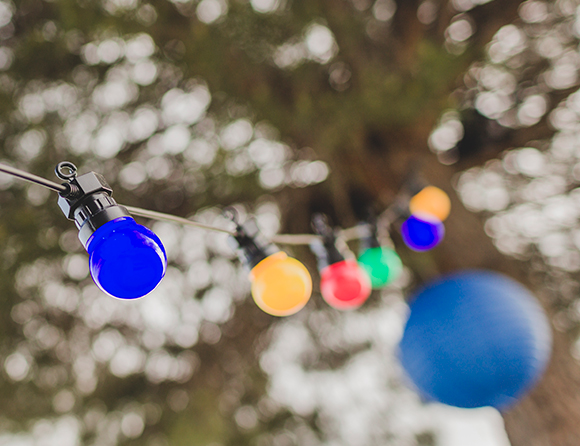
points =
(475, 339)
(126, 260)
(422, 232)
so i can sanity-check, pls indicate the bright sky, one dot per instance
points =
(473, 427)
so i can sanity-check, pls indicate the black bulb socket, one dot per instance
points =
(250, 245)
(89, 203)
(326, 252)
(368, 237)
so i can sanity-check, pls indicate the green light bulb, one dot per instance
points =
(383, 265)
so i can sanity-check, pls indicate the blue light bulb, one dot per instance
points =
(422, 233)
(127, 260)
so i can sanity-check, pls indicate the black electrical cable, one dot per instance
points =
(32, 178)
(285, 239)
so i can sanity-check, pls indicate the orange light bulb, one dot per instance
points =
(281, 285)
(432, 201)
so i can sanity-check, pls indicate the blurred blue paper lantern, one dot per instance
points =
(474, 339)
(422, 232)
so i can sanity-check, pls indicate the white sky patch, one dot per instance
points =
(17, 366)
(110, 139)
(449, 132)
(466, 5)
(384, 10)
(209, 11)
(114, 94)
(119, 6)
(532, 109)
(271, 178)
(320, 43)
(144, 72)
(139, 47)
(6, 58)
(564, 72)
(132, 425)
(179, 107)
(111, 50)
(30, 144)
(533, 11)
(460, 30)
(266, 153)
(236, 134)
(201, 151)
(32, 107)
(265, 6)
(6, 12)
(143, 124)
(217, 305)
(306, 173)
(127, 360)
(290, 55)
(132, 175)
(530, 161)
(507, 42)
(175, 139)
(493, 104)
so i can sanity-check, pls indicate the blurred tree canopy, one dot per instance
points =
(281, 108)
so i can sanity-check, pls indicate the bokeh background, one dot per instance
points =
(280, 108)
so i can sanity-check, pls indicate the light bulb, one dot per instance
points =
(126, 260)
(344, 285)
(422, 232)
(431, 201)
(383, 265)
(281, 285)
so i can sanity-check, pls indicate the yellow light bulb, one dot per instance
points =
(281, 285)
(432, 201)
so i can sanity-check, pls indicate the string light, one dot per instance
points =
(382, 264)
(463, 364)
(343, 283)
(126, 260)
(120, 250)
(422, 232)
(281, 285)
(431, 201)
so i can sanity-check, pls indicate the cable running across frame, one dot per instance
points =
(284, 239)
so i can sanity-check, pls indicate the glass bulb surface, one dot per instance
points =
(431, 201)
(422, 232)
(345, 285)
(126, 259)
(281, 285)
(383, 265)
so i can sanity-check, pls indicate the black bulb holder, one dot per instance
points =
(87, 201)
(324, 249)
(369, 237)
(250, 245)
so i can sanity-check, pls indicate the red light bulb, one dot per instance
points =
(344, 285)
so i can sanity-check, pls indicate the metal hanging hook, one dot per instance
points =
(66, 171)
(321, 226)
(231, 213)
